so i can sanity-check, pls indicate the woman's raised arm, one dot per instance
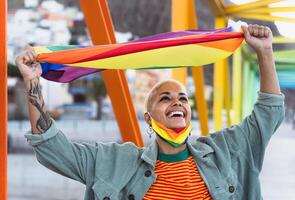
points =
(31, 72)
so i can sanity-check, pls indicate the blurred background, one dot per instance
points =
(83, 109)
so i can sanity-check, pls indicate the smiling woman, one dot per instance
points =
(168, 103)
(169, 114)
(223, 165)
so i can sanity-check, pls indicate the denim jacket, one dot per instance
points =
(229, 161)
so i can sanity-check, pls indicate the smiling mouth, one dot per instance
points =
(176, 114)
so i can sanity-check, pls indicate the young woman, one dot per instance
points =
(224, 165)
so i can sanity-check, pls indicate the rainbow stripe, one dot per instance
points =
(174, 138)
(173, 49)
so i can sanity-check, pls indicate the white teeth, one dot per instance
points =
(179, 113)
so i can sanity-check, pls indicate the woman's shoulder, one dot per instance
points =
(117, 146)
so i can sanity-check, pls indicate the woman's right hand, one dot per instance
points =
(27, 65)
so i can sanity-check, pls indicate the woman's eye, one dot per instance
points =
(165, 98)
(183, 99)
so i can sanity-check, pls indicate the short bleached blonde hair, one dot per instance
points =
(155, 88)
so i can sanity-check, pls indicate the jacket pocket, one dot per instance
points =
(104, 191)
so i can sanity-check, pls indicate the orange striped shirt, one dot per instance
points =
(178, 181)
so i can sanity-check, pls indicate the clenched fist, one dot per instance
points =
(27, 65)
(258, 37)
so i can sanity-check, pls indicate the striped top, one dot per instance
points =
(177, 178)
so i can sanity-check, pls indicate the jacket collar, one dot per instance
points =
(150, 153)
(199, 150)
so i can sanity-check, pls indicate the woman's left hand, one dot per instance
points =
(258, 37)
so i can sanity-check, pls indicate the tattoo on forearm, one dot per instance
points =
(36, 99)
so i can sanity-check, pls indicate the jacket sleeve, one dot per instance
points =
(56, 152)
(252, 135)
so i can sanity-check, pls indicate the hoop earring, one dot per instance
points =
(150, 131)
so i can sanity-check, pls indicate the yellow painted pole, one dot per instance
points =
(217, 7)
(3, 102)
(227, 94)
(280, 39)
(237, 85)
(263, 17)
(248, 6)
(181, 20)
(268, 10)
(246, 89)
(184, 17)
(100, 26)
(202, 108)
(218, 92)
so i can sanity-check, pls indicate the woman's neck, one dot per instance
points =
(166, 148)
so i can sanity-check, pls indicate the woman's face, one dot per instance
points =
(169, 105)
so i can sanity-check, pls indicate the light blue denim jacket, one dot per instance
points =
(229, 160)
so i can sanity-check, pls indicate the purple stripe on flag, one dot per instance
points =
(170, 35)
(68, 74)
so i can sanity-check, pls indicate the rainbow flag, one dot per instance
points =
(166, 50)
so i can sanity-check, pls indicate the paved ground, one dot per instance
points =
(27, 180)
(278, 173)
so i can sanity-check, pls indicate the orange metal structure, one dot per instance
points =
(184, 18)
(3, 102)
(219, 83)
(99, 23)
(180, 21)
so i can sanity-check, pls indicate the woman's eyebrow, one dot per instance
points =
(167, 93)
(181, 94)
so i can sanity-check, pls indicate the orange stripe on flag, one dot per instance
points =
(229, 45)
